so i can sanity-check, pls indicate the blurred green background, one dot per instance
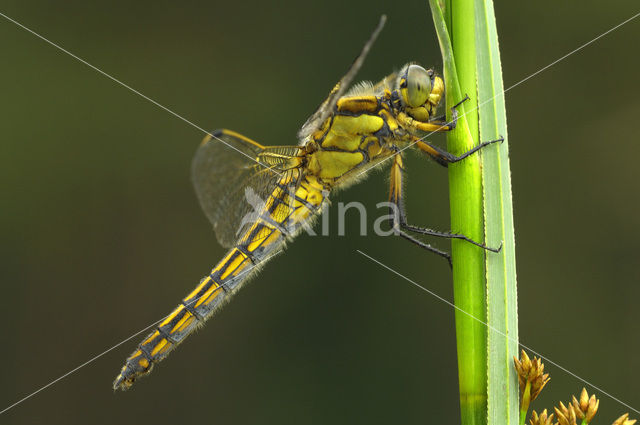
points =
(101, 233)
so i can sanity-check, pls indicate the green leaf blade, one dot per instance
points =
(502, 318)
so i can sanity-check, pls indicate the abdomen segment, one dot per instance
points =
(282, 215)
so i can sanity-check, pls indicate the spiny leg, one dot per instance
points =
(396, 198)
(426, 246)
(430, 232)
(445, 158)
(397, 213)
(439, 124)
(399, 220)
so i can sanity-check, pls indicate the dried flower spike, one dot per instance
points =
(624, 420)
(543, 419)
(531, 371)
(587, 407)
(566, 415)
(562, 410)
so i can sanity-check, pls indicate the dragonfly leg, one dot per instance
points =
(397, 214)
(445, 158)
(464, 99)
(399, 220)
(426, 246)
(430, 232)
(454, 113)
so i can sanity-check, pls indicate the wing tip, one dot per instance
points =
(215, 134)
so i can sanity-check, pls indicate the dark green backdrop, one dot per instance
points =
(101, 233)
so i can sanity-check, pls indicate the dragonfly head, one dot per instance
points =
(420, 90)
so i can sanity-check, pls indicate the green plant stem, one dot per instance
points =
(481, 208)
(465, 186)
(465, 182)
(524, 408)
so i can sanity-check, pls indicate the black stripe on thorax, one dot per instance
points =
(384, 131)
(337, 149)
(395, 101)
(356, 114)
(365, 155)
(324, 134)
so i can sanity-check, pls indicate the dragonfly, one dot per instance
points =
(259, 197)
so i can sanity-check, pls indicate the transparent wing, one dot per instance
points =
(234, 175)
(324, 110)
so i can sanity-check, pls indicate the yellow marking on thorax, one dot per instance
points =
(318, 134)
(344, 137)
(345, 131)
(333, 164)
(391, 121)
(362, 124)
(371, 145)
(345, 142)
(357, 104)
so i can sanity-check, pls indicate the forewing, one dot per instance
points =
(233, 176)
(314, 122)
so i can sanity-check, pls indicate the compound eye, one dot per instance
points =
(418, 86)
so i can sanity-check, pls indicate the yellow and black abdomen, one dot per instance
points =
(282, 216)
